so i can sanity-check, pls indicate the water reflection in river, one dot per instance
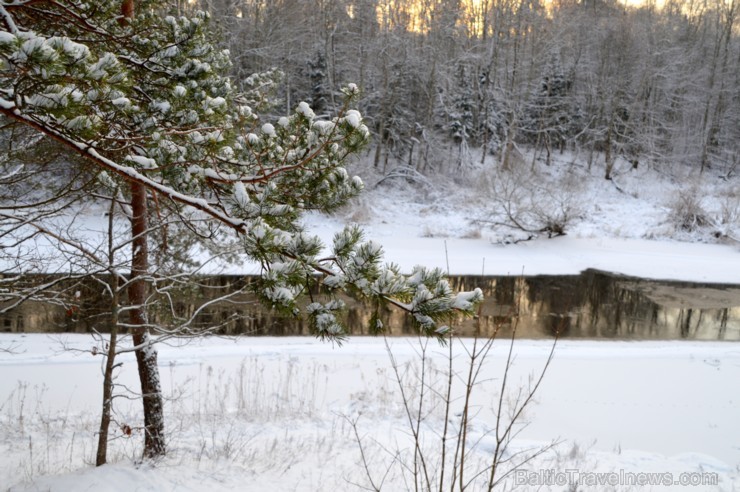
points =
(591, 305)
(599, 305)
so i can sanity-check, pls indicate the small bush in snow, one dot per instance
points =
(686, 211)
(729, 209)
(522, 200)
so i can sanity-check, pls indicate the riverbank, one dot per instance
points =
(565, 255)
(626, 225)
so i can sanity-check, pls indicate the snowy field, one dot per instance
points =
(293, 414)
(277, 414)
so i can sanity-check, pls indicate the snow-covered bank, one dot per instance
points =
(566, 255)
(622, 226)
(273, 412)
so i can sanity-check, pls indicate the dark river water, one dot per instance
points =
(594, 305)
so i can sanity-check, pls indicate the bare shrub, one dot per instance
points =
(357, 211)
(521, 200)
(451, 441)
(406, 174)
(686, 210)
(729, 209)
(474, 233)
(10, 348)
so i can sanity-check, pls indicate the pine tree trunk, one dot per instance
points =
(146, 355)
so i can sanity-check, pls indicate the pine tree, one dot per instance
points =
(320, 96)
(146, 98)
(551, 116)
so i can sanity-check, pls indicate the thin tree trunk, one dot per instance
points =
(101, 457)
(146, 354)
(509, 145)
(110, 361)
(708, 126)
(608, 159)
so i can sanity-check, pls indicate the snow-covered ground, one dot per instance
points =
(277, 413)
(622, 225)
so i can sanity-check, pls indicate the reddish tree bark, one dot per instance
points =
(146, 354)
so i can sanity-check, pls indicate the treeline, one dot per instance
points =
(652, 84)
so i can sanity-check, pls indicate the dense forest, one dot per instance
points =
(653, 83)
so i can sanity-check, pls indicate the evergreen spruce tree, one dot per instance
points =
(320, 96)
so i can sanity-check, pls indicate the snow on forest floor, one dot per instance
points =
(277, 414)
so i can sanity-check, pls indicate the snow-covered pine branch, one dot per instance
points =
(150, 101)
